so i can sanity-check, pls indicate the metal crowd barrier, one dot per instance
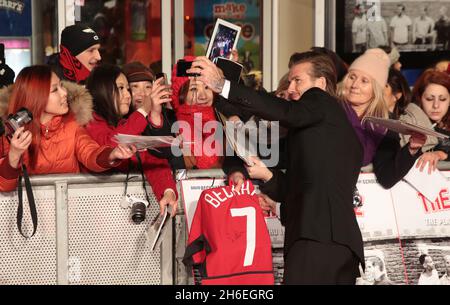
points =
(85, 237)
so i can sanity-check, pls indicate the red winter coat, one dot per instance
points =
(156, 170)
(65, 145)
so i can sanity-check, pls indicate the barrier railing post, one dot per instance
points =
(62, 233)
(180, 246)
(166, 257)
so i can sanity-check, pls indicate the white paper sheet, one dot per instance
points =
(146, 142)
(428, 184)
(404, 127)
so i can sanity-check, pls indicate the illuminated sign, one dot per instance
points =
(13, 5)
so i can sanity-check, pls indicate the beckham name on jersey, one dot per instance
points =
(216, 198)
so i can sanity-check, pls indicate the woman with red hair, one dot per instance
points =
(54, 141)
(431, 93)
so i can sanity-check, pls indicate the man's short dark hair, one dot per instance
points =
(322, 66)
(340, 65)
(422, 258)
(402, 6)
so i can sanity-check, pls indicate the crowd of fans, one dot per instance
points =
(79, 105)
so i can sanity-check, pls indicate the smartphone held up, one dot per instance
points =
(162, 78)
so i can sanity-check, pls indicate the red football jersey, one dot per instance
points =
(228, 241)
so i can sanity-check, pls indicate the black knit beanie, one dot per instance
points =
(7, 74)
(2, 53)
(78, 38)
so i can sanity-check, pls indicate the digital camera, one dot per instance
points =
(138, 208)
(15, 121)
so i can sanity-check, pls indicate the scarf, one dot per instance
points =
(73, 69)
(206, 156)
(368, 134)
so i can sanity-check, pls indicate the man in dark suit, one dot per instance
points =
(323, 243)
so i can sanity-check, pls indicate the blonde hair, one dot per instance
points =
(283, 84)
(377, 106)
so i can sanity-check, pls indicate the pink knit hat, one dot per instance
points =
(374, 62)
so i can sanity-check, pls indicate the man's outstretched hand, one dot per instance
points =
(208, 73)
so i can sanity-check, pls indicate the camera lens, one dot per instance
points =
(23, 116)
(138, 210)
(15, 121)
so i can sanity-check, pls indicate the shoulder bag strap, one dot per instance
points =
(31, 203)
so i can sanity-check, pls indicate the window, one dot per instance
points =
(130, 30)
(29, 38)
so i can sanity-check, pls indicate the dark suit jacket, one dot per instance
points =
(323, 165)
(392, 162)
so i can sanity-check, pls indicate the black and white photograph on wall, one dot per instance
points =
(223, 40)
(411, 26)
(431, 263)
(417, 26)
(413, 261)
(375, 272)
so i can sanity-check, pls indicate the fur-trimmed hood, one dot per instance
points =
(79, 98)
(80, 102)
(5, 93)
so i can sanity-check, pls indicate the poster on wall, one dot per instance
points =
(404, 235)
(15, 18)
(245, 13)
(417, 216)
(430, 265)
(375, 213)
(418, 29)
